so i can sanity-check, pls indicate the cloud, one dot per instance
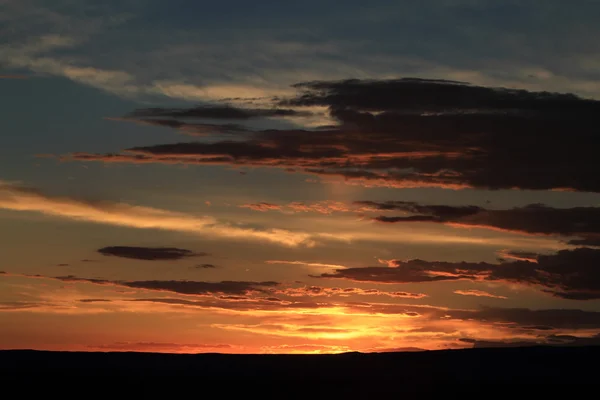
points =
(315, 291)
(159, 347)
(149, 253)
(392, 349)
(568, 319)
(133, 216)
(583, 222)
(95, 300)
(518, 255)
(305, 263)
(478, 293)
(568, 274)
(376, 325)
(217, 112)
(205, 266)
(19, 305)
(261, 206)
(414, 133)
(549, 340)
(188, 128)
(184, 287)
(322, 207)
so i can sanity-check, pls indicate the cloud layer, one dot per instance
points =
(568, 274)
(407, 133)
(583, 222)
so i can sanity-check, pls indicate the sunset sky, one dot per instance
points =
(298, 177)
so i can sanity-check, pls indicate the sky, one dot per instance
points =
(298, 177)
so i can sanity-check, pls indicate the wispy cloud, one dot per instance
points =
(305, 264)
(123, 214)
(322, 207)
(478, 293)
(316, 291)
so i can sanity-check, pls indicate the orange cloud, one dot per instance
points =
(478, 293)
(261, 206)
(132, 216)
(304, 263)
(314, 291)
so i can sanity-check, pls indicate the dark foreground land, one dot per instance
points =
(539, 368)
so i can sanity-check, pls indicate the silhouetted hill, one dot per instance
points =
(539, 367)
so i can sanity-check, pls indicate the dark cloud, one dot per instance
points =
(430, 95)
(149, 253)
(406, 133)
(193, 287)
(158, 347)
(184, 287)
(568, 274)
(550, 340)
(414, 271)
(18, 305)
(537, 328)
(205, 266)
(188, 127)
(95, 300)
(392, 350)
(217, 112)
(524, 318)
(583, 222)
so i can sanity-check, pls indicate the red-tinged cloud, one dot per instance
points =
(478, 293)
(261, 206)
(581, 222)
(568, 274)
(321, 207)
(318, 291)
(517, 255)
(122, 214)
(399, 133)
